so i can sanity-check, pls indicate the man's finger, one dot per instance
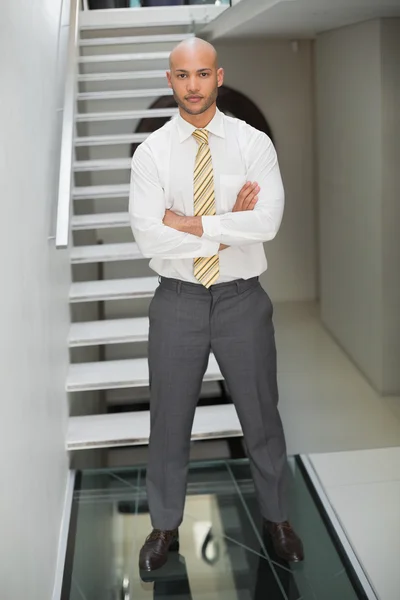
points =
(246, 189)
(250, 198)
(249, 187)
(249, 193)
(243, 196)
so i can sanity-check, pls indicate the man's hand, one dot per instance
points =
(247, 197)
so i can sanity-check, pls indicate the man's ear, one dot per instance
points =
(168, 73)
(220, 76)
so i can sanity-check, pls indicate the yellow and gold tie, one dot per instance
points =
(206, 270)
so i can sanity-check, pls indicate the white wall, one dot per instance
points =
(358, 150)
(33, 304)
(349, 157)
(280, 83)
(390, 60)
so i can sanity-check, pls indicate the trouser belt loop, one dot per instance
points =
(179, 286)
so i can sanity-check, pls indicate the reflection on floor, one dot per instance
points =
(224, 552)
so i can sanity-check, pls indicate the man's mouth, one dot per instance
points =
(193, 98)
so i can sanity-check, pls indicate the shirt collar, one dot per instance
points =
(215, 126)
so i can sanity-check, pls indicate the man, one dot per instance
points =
(206, 192)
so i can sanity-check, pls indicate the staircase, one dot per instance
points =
(121, 75)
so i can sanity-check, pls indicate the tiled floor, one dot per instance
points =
(325, 402)
(363, 489)
(224, 553)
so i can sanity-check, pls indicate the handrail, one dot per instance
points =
(68, 132)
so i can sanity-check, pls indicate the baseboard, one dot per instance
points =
(63, 538)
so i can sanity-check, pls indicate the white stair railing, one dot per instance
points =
(68, 131)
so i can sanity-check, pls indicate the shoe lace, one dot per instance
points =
(280, 526)
(158, 534)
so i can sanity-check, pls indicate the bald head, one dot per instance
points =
(193, 49)
(194, 77)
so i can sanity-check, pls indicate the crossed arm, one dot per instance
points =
(256, 216)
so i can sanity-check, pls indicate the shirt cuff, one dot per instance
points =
(209, 248)
(211, 226)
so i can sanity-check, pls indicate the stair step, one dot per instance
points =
(105, 253)
(133, 428)
(113, 289)
(158, 17)
(121, 94)
(138, 39)
(155, 74)
(123, 115)
(110, 331)
(127, 57)
(109, 164)
(110, 140)
(116, 374)
(119, 190)
(100, 221)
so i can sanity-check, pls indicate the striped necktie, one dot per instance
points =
(206, 270)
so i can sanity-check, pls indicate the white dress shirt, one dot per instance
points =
(162, 178)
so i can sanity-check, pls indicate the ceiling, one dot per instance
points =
(296, 18)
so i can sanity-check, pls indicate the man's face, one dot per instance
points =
(195, 79)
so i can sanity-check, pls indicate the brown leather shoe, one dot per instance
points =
(286, 542)
(154, 552)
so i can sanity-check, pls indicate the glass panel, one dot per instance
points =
(224, 550)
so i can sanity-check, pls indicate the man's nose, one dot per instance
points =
(192, 84)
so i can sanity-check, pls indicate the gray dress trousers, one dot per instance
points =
(234, 321)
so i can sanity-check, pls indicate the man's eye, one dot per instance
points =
(204, 74)
(181, 76)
